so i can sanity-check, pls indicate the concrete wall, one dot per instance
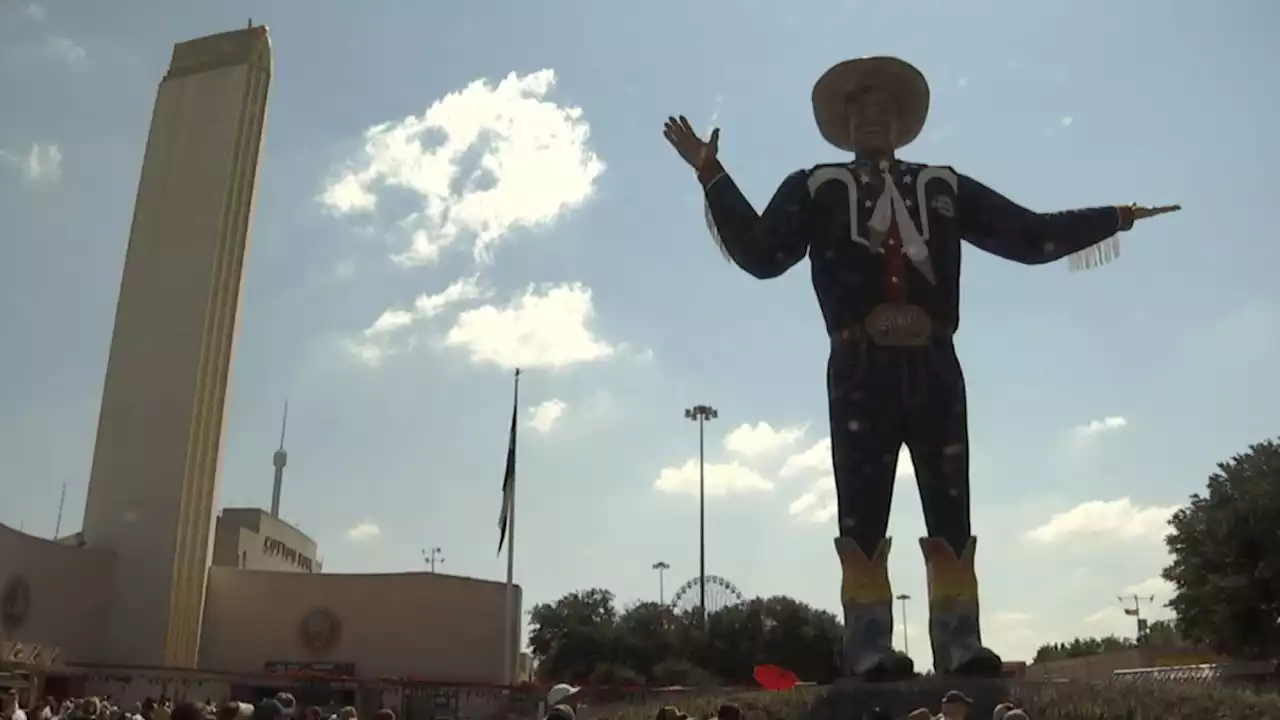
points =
(153, 483)
(251, 539)
(437, 627)
(69, 606)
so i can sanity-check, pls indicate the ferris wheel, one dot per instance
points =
(720, 594)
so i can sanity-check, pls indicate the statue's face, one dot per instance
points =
(871, 114)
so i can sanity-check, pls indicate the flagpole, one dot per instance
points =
(508, 649)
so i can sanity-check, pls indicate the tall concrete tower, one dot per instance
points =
(154, 481)
(279, 460)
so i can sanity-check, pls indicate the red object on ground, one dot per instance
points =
(772, 677)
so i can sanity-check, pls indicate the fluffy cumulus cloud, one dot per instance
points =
(40, 163)
(1105, 520)
(481, 162)
(817, 502)
(377, 340)
(761, 439)
(544, 416)
(544, 328)
(364, 532)
(1097, 427)
(722, 479)
(478, 164)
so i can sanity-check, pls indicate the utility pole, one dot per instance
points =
(661, 567)
(906, 645)
(702, 414)
(1135, 612)
(433, 556)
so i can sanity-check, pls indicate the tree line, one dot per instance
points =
(584, 638)
(1225, 574)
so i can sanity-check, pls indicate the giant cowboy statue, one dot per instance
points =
(883, 240)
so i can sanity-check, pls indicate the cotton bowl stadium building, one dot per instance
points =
(158, 593)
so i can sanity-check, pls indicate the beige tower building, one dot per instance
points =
(154, 481)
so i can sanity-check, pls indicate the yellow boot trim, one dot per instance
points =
(865, 581)
(949, 577)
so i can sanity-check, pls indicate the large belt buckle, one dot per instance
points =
(899, 325)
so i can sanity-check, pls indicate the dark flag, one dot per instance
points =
(509, 477)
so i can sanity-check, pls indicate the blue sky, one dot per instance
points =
(1098, 400)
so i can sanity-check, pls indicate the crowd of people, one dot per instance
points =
(281, 707)
(564, 700)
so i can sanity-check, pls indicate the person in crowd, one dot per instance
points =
(287, 703)
(956, 705)
(1015, 714)
(347, 713)
(384, 714)
(10, 708)
(268, 709)
(920, 714)
(187, 710)
(228, 711)
(561, 712)
(563, 694)
(1001, 710)
(728, 711)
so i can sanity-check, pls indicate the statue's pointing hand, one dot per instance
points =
(1129, 214)
(692, 149)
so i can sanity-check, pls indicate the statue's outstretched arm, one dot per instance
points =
(1002, 227)
(766, 244)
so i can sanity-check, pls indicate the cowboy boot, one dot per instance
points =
(954, 632)
(868, 615)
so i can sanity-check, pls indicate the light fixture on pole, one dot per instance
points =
(661, 567)
(702, 414)
(906, 645)
(433, 556)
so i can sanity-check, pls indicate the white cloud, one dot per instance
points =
(1106, 424)
(816, 459)
(375, 342)
(1104, 520)
(544, 328)
(818, 502)
(364, 531)
(481, 161)
(761, 439)
(35, 12)
(545, 415)
(63, 49)
(42, 163)
(1066, 121)
(721, 479)
(962, 82)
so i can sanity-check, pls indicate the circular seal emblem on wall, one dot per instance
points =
(15, 602)
(320, 630)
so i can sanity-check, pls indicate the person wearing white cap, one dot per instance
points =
(883, 238)
(562, 694)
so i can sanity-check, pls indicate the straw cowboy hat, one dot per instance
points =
(898, 78)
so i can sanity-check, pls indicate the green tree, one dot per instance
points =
(1162, 633)
(574, 635)
(582, 638)
(1082, 647)
(1226, 558)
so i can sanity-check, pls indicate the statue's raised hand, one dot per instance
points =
(692, 148)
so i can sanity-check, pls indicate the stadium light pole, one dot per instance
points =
(661, 567)
(906, 645)
(702, 414)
